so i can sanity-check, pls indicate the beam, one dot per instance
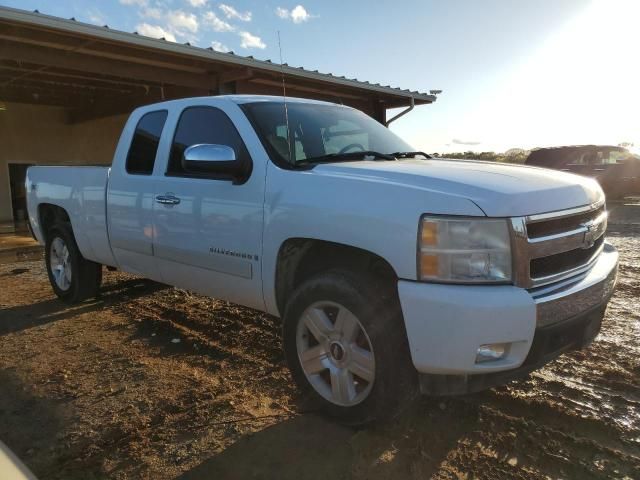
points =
(98, 80)
(106, 109)
(49, 39)
(38, 96)
(109, 106)
(62, 84)
(317, 90)
(235, 75)
(56, 88)
(86, 63)
(91, 104)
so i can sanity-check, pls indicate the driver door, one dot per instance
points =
(207, 227)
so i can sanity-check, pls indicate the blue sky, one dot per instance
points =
(514, 74)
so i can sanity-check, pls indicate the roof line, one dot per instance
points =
(105, 33)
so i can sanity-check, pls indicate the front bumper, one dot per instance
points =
(446, 324)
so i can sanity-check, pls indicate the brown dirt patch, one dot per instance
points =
(100, 390)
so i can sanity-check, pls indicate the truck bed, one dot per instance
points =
(81, 191)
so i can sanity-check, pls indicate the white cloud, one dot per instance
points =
(96, 17)
(220, 47)
(216, 23)
(231, 12)
(457, 141)
(172, 23)
(151, 12)
(180, 21)
(155, 31)
(247, 40)
(197, 3)
(139, 3)
(297, 14)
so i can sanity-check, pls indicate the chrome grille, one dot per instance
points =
(561, 224)
(545, 266)
(554, 246)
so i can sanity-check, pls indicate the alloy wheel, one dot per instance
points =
(60, 263)
(335, 353)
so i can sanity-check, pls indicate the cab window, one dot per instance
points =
(144, 144)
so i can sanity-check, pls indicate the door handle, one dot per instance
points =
(168, 199)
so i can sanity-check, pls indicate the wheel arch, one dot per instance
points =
(300, 258)
(50, 214)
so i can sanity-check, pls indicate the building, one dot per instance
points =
(66, 88)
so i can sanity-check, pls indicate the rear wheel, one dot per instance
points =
(346, 346)
(72, 277)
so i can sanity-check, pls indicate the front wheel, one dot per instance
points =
(72, 277)
(346, 345)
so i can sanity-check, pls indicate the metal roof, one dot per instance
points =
(36, 19)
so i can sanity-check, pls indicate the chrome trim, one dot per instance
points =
(578, 294)
(545, 246)
(569, 240)
(556, 236)
(167, 199)
(545, 290)
(567, 273)
(520, 252)
(209, 153)
(525, 249)
(539, 217)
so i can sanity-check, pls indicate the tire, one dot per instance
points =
(72, 277)
(356, 372)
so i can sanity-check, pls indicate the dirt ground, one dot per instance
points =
(154, 382)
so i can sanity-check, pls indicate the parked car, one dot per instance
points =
(390, 270)
(615, 168)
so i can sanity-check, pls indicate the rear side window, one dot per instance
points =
(204, 125)
(144, 146)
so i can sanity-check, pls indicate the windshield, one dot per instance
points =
(317, 130)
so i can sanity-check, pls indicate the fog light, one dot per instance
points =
(492, 352)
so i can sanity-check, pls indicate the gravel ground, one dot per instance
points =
(154, 382)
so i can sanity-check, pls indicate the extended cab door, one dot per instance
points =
(208, 228)
(130, 196)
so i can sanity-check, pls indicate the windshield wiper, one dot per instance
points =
(338, 157)
(410, 154)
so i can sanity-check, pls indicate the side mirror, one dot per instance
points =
(210, 158)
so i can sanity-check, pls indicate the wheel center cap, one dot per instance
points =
(337, 351)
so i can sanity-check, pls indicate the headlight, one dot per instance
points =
(464, 250)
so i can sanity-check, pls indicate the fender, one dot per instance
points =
(369, 214)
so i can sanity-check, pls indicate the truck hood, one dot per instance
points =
(500, 190)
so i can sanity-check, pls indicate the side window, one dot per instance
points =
(144, 145)
(204, 125)
(618, 157)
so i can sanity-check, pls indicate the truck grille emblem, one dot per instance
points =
(590, 236)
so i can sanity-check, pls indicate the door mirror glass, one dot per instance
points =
(210, 158)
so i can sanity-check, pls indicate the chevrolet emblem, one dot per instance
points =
(590, 235)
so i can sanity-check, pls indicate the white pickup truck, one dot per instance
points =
(391, 271)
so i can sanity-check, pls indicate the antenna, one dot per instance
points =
(284, 98)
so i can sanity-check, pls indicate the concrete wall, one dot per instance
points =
(40, 136)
